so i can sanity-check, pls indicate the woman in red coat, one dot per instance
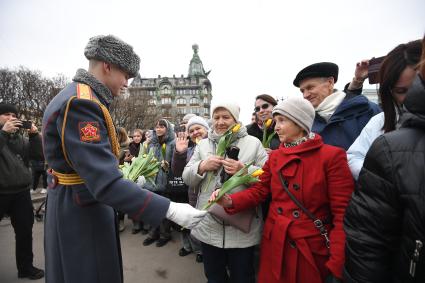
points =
(293, 250)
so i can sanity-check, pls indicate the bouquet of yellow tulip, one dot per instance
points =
(225, 141)
(143, 148)
(145, 165)
(242, 177)
(267, 138)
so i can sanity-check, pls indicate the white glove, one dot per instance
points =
(141, 181)
(184, 214)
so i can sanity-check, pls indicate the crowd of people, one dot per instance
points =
(341, 197)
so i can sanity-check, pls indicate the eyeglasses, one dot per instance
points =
(264, 106)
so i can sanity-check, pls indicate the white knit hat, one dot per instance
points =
(232, 107)
(187, 117)
(298, 109)
(196, 120)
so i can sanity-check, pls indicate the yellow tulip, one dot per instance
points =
(196, 140)
(268, 123)
(257, 173)
(236, 128)
(164, 146)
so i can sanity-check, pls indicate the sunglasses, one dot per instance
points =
(264, 106)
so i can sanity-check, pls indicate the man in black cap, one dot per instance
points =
(340, 115)
(15, 183)
(80, 145)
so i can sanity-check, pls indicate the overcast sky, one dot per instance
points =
(251, 46)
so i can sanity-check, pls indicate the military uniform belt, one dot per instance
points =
(67, 178)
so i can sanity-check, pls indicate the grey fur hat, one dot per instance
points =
(111, 49)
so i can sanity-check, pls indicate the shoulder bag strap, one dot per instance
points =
(316, 221)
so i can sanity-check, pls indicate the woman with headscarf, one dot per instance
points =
(311, 185)
(228, 253)
(163, 145)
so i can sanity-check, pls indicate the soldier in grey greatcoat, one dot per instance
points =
(81, 237)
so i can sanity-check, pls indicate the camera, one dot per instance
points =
(26, 124)
(373, 69)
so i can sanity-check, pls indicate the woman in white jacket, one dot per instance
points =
(395, 77)
(228, 253)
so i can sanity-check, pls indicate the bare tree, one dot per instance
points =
(29, 91)
(134, 111)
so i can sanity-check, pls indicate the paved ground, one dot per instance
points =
(141, 264)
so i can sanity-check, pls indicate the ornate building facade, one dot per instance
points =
(175, 96)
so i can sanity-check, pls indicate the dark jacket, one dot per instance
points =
(134, 148)
(177, 165)
(386, 215)
(255, 131)
(17, 178)
(346, 123)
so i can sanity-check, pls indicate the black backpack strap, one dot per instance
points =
(316, 221)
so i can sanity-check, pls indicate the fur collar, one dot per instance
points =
(102, 92)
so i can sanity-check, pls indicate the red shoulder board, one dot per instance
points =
(89, 131)
(84, 92)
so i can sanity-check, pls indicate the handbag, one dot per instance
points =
(241, 220)
(318, 223)
(13, 172)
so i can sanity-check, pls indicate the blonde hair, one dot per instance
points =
(122, 135)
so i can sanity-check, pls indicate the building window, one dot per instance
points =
(205, 99)
(194, 101)
(165, 100)
(152, 102)
(181, 101)
(165, 90)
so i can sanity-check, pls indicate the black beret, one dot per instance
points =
(8, 108)
(318, 70)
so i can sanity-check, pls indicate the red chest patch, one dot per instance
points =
(89, 131)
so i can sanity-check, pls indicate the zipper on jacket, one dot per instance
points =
(415, 258)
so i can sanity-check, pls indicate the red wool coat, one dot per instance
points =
(292, 249)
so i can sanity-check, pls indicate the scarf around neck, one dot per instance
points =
(328, 106)
(102, 92)
(299, 141)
